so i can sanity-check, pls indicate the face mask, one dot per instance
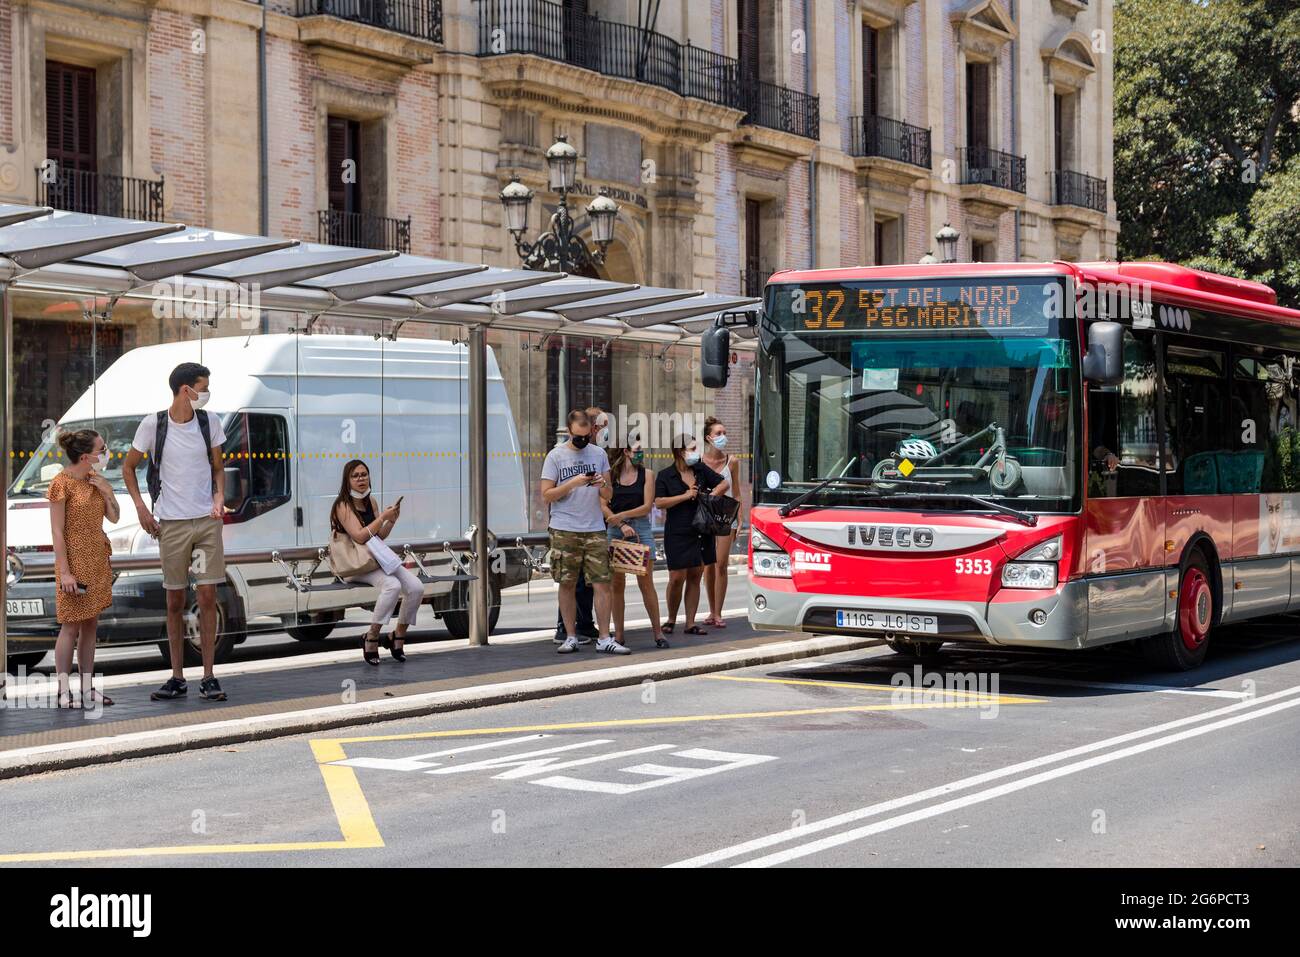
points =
(720, 442)
(692, 458)
(201, 401)
(603, 437)
(355, 494)
(580, 441)
(638, 457)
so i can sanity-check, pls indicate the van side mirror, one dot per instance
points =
(715, 355)
(1103, 363)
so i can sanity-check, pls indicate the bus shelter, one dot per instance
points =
(103, 263)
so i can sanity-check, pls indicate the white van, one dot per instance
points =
(294, 409)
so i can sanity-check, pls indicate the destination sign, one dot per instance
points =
(950, 306)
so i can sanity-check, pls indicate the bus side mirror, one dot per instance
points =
(715, 355)
(1103, 363)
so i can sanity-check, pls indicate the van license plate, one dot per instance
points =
(896, 621)
(25, 606)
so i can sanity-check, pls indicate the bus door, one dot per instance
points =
(1123, 555)
(1200, 440)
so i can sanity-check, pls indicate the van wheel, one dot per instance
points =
(457, 618)
(230, 632)
(914, 649)
(1185, 647)
(310, 632)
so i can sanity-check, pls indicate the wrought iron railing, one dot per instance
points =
(753, 278)
(85, 191)
(985, 165)
(546, 29)
(892, 139)
(362, 230)
(414, 18)
(1078, 189)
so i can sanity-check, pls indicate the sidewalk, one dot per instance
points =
(334, 689)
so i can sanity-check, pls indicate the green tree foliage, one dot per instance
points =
(1207, 136)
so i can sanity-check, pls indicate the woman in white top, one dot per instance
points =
(354, 515)
(717, 458)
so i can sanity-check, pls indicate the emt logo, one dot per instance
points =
(806, 561)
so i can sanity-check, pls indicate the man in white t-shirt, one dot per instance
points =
(188, 494)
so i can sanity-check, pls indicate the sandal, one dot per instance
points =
(661, 642)
(667, 627)
(371, 657)
(695, 630)
(64, 696)
(395, 644)
(88, 699)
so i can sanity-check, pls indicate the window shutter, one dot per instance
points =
(870, 71)
(977, 105)
(747, 37)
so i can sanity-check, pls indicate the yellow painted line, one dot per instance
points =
(978, 695)
(350, 808)
(671, 719)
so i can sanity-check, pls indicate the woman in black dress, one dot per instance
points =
(676, 489)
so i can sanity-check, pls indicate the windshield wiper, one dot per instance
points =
(1025, 518)
(802, 497)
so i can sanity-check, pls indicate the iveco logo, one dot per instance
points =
(891, 536)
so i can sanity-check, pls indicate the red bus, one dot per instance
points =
(1053, 455)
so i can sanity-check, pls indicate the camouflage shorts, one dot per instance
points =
(579, 553)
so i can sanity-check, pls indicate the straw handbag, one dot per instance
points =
(347, 558)
(628, 558)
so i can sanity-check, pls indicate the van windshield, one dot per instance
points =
(49, 460)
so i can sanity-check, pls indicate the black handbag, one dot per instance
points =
(715, 514)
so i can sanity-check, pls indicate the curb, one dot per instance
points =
(24, 762)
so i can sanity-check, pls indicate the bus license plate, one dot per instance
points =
(25, 606)
(887, 621)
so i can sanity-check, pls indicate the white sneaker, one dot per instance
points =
(570, 645)
(611, 647)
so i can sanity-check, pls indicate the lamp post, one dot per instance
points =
(559, 249)
(947, 240)
(928, 259)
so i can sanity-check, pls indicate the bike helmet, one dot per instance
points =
(917, 449)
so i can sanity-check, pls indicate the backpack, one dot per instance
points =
(153, 472)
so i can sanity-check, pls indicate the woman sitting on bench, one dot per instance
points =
(354, 515)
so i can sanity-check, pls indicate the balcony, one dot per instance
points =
(984, 166)
(889, 139)
(1078, 189)
(544, 29)
(85, 191)
(421, 19)
(754, 278)
(362, 230)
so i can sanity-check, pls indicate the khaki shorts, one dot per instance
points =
(579, 553)
(191, 546)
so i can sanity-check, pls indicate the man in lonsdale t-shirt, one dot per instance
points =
(575, 480)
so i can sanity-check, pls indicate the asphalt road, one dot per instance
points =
(1027, 758)
(523, 608)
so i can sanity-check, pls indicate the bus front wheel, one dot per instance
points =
(1185, 647)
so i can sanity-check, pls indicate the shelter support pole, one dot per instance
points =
(480, 587)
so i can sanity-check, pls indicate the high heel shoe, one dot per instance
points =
(396, 645)
(371, 657)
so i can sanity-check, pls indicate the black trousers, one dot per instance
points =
(586, 596)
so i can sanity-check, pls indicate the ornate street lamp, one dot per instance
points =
(928, 259)
(559, 249)
(947, 240)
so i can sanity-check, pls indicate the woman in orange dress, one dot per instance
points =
(80, 499)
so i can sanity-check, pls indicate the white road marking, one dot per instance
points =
(849, 817)
(1010, 787)
(663, 773)
(419, 762)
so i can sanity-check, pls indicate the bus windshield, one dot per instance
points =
(964, 386)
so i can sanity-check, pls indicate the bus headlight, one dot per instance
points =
(1029, 575)
(767, 559)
